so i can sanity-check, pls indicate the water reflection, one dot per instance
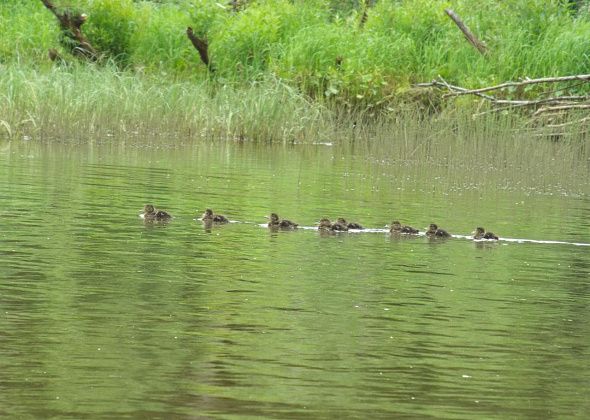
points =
(185, 320)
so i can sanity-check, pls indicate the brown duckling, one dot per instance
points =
(276, 223)
(339, 227)
(396, 227)
(480, 233)
(208, 216)
(350, 225)
(325, 224)
(434, 231)
(151, 214)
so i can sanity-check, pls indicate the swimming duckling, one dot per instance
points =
(208, 216)
(276, 223)
(340, 226)
(151, 214)
(396, 227)
(480, 233)
(433, 230)
(325, 225)
(350, 225)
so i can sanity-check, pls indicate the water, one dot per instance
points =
(102, 315)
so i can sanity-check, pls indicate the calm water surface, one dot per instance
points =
(104, 316)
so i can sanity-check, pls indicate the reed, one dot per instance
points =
(96, 101)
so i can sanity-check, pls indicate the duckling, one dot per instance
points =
(325, 224)
(480, 233)
(208, 216)
(276, 223)
(340, 226)
(151, 214)
(434, 231)
(350, 225)
(396, 227)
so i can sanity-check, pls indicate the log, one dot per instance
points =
(71, 27)
(580, 77)
(480, 46)
(202, 47)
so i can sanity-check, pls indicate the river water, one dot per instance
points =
(103, 315)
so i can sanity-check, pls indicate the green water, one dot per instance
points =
(104, 316)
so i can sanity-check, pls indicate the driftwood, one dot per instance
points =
(202, 47)
(546, 108)
(562, 100)
(480, 46)
(71, 24)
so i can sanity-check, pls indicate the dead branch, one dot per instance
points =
(480, 46)
(202, 47)
(71, 24)
(582, 77)
(558, 100)
(566, 124)
(560, 108)
(547, 111)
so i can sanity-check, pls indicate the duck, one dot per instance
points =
(434, 231)
(276, 223)
(396, 227)
(151, 214)
(210, 217)
(350, 225)
(339, 227)
(480, 233)
(325, 224)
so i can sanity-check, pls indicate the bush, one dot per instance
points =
(110, 26)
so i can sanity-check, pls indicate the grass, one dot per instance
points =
(96, 101)
(91, 103)
(316, 46)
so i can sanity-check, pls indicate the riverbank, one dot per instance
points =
(355, 56)
(101, 104)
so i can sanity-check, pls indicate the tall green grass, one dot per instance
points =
(94, 103)
(90, 102)
(317, 46)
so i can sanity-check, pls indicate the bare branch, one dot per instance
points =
(584, 77)
(480, 46)
(202, 47)
(71, 25)
(560, 108)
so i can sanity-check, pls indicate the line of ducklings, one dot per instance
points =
(151, 214)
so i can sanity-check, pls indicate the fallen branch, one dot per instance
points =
(560, 108)
(565, 124)
(71, 24)
(202, 47)
(583, 77)
(479, 46)
(548, 112)
(570, 100)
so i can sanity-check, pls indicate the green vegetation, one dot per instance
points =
(306, 60)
